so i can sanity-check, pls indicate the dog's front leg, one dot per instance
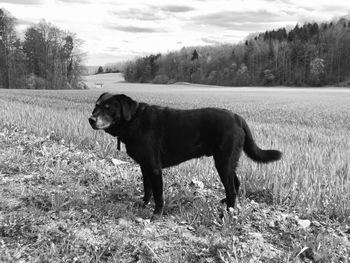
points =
(157, 188)
(154, 175)
(147, 186)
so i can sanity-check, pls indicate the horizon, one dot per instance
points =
(140, 27)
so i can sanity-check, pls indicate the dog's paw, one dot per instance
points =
(223, 201)
(140, 204)
(156, 217)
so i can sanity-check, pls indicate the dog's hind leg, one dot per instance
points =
(226, 161)
(226, 171)
(236, 185)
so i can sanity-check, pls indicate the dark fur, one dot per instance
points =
(159, 137)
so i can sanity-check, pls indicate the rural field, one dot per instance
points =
(65, 195)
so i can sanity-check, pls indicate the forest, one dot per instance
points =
(46, 58)
(312, 54)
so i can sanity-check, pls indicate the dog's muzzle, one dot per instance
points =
(92, 121)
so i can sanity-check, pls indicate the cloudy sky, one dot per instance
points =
(114, 30)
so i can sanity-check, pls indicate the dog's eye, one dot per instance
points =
(107, 106)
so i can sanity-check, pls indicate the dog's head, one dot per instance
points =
(112, 109)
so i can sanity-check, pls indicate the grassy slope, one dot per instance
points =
(65, 200)
(107, 80)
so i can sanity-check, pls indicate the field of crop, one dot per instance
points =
(64, 197)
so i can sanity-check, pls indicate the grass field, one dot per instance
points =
(63, 197)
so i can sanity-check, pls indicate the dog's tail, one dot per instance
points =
(254, 152)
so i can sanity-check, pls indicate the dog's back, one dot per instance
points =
(187, 134)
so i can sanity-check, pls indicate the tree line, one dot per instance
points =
(47, 57)
(314, 54)
(108, 69)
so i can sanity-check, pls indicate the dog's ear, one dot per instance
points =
(104, 96)
(129, 106)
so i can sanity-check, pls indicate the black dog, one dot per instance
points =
(159, 137)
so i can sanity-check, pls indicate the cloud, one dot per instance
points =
(135, 29)
(335, 8)
(280, 1)
(151, 13)
(139, 14)
(24, 22)
(252, 27)
(102, 57)
(235, 20)
(112, 49)
(23, 2)
(211, 41)
(228, 17)
(75, 1)
(176, 8)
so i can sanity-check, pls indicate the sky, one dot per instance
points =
(115, 31)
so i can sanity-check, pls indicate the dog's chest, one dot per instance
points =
(134, 152)
(139, 151)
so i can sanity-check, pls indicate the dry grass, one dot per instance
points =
(63, 200)
(310, 127)
(59, 203)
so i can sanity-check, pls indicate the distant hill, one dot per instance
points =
(107, 80)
